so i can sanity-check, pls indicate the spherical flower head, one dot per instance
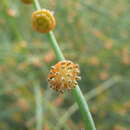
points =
(64, 76)
(43, 21)
(27, 1)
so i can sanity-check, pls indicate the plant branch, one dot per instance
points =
(79, 98)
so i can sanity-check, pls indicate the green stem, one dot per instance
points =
(39, 109)
(55, 46)
(36, 4)
(83, 106)
(89, 123)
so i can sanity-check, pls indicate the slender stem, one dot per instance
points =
(55, 46)
(89, 123)
(36, 4)
(83, 106)
(39, 109)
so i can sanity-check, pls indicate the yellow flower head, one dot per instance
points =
(43, 21)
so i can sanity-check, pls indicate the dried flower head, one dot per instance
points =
(64, 75)
(43, 21)
(27, 1)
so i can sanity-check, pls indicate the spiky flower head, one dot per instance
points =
(43, 21)
(64, 76)
(27, 1)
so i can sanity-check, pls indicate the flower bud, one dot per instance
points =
(43, 21)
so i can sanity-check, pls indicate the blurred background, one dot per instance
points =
(93, 33)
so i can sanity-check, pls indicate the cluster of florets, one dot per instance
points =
(64, 75)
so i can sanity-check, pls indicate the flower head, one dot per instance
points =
(64, 75)
(43, 21)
